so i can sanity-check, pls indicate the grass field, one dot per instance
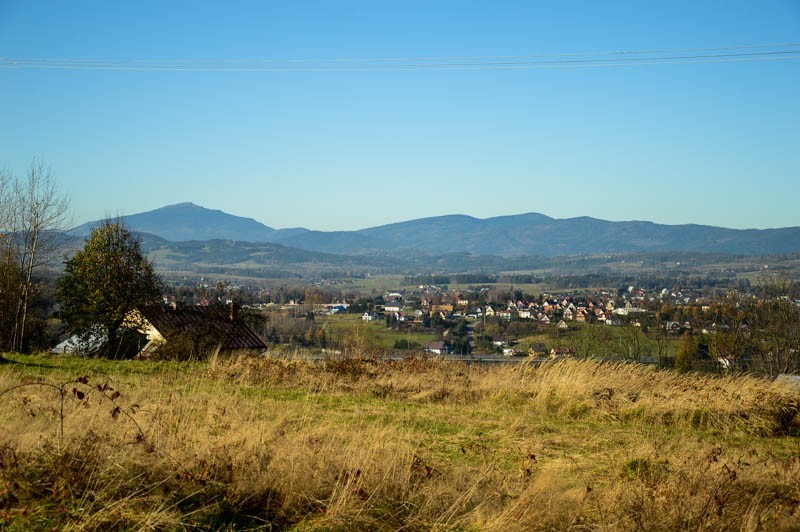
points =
(376, 283)
(366, 444)
(374, 333)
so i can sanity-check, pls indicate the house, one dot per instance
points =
(789, 379)
(537, 349)
(727, 362)
(393, 306)
(439, 348)
(196, 331)
(369, 316)
(628, 310)
(558, 352)
(500, 341)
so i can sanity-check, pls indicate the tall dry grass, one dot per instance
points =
(417, 444)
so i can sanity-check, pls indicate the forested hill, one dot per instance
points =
(529, 234)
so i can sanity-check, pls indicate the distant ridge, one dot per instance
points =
(534, 234)
(186, 221)
(530, 234)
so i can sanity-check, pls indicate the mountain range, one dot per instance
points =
(530, 234)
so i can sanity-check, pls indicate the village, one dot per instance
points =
(493, 322)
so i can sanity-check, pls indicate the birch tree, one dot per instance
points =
(33, 209)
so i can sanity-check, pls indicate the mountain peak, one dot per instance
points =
(186, 221)
(185, 205)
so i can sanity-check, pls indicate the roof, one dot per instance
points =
(91, 343)
(437, 345)
(203, 321)
(787, 378)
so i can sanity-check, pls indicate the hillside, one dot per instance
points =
(530, 234)
(252, 259)
(536, 234)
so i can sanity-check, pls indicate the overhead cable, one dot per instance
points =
(726, 54)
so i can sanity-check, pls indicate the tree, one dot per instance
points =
(775, 324)
(687, 353)
(42, 209)
(31, 210)
(586, 340)
(10, 293)
(662, 345)
(104, 282)
(732, 335)
(10, 275)
(632, 342)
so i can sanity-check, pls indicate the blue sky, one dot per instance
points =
(709, 143)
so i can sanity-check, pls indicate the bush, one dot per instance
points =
(406, 344)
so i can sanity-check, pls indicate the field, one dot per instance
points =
(374, 334)
(368, 444)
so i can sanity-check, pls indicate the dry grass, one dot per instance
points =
(367, 444)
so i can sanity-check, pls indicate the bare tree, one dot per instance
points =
(38, 209)
(632, 342)
(587, 340)
(8, 214)
(662, 343)
(9, 278)
(776, 326)
(732, 339)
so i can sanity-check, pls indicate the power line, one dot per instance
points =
(394, 59)
(592, 59)
(410, 68)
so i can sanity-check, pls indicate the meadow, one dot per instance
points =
(354, 444)
(372, 335)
